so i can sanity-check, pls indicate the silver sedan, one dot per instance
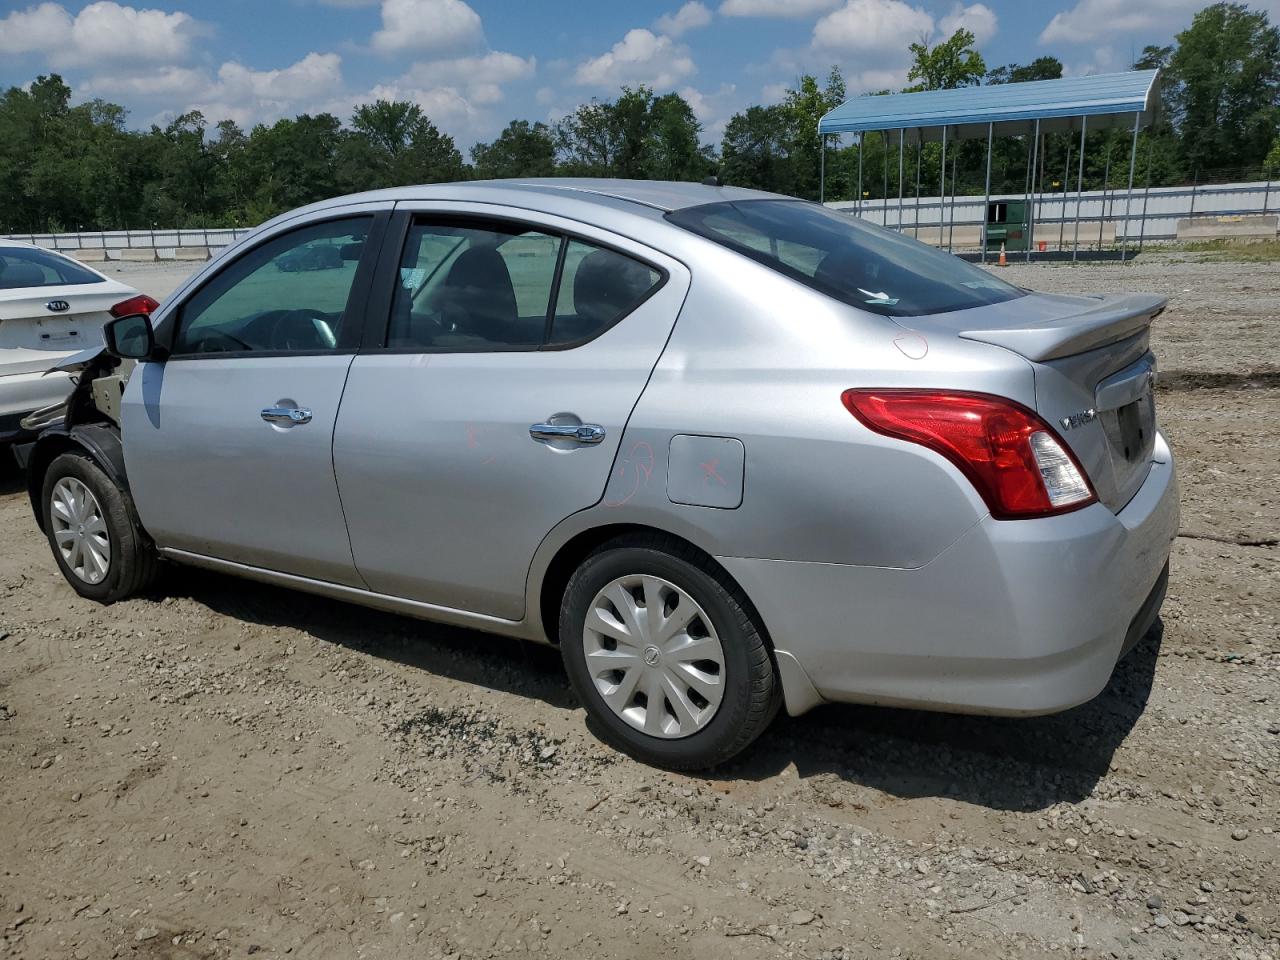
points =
(729, 451)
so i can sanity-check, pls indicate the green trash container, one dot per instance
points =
(1007, 224)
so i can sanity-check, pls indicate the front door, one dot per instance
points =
(494, 408)
(228, 444)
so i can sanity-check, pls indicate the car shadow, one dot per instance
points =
(12, 479)
(1004, 763)
(469, 656)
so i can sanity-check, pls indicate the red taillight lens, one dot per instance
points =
(139, 304)
(1011, 456)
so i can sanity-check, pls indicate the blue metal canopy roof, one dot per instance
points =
(1007, 105)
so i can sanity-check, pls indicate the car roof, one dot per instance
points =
(646, 197)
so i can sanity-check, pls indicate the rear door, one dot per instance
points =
(492, 407)
(228, 443)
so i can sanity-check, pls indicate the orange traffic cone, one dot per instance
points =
(1003, 261)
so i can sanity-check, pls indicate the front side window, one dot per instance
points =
(32, 267)
(846, 258)
(287, 295)
(481, 286)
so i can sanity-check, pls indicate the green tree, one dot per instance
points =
(952, 63)
(803, 107)
(755, 151)
(638, 135)
(1041, 68)
(523, 149)
(1225, 88)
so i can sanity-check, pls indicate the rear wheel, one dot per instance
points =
(663, 652)
(93, 531)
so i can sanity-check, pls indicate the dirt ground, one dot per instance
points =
(223, 769)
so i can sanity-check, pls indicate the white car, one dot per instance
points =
(50, 307)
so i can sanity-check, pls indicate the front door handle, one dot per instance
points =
(287, 416)
(586, 433)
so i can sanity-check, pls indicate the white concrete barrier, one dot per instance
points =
(191, 253)
(133, 254)
(1228, 228)
(88, 254)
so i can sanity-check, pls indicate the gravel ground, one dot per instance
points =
(223, 769)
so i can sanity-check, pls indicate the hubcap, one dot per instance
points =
(654, 656)
(79, 530)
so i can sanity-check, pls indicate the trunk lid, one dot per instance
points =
(33, 337)
(1094, 375)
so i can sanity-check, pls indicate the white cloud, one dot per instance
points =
(869, 40)
(713, 109)
(775, 8)
(437, 26)
(978, 19)
(1151, 20)
(639, 57)
(171, 81)
(872, 26)
(689, 17)
(103, 32)
(250, 96)
(477, 79)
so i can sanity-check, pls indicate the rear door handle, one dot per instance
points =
(585, 433)
(287, 416)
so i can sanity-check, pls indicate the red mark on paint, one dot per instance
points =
(710, 473)
(631, 474)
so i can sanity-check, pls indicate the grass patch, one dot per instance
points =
(1239, 251)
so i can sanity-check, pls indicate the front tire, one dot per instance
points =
(93, 530)
(664, 653)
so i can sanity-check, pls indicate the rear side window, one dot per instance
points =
(846, 258)
(597, 289)
(479, 286)
(31, 267)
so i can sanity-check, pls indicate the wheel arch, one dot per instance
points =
(570, 554)
(99, 441)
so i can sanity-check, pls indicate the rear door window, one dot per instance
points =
(477, 286)
(878, 270)
(597, 289)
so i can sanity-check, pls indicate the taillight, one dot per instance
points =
(1014, 459)
(139, 304)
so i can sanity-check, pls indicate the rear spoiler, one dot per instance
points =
(1115, 318)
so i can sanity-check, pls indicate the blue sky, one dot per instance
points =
(475, 64)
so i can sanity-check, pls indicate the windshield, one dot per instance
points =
(33, 267)
(846, 258)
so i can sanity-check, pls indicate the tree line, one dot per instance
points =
(69, 167)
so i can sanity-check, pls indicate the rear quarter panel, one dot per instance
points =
(759, 358)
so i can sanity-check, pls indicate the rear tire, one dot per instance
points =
(93, 531)
(671, 666)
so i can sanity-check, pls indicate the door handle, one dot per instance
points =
(287, 416)
(585, 433)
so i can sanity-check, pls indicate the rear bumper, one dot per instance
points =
(1016, 617)
(21, 393)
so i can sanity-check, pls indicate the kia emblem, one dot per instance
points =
(58, 306)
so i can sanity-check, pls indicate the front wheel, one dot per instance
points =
(93, 530)
(662, 650)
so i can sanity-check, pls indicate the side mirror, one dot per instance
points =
(130, 338)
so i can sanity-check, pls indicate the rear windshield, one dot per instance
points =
(32, 267)
(846, 258)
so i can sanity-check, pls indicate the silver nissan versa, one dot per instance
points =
(727, 450)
